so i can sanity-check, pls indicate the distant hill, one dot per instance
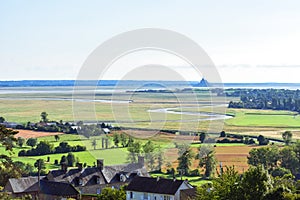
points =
(202, 83)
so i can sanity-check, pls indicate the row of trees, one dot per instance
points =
(205, 155)
(275, 99)
(44, 148)
(277, 161)
(256, 183)
(152, 154)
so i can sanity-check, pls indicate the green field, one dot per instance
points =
(24, 107)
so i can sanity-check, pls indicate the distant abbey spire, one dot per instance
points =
(202, 83)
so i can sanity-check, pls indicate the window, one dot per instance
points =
(98, 190)
(98, 180)
(131, 195)
(167, 198)
(80, 181)
(145, 196)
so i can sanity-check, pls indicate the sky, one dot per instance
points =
(248, 41)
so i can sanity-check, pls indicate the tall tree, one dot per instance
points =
(56, 137)
(123, 139)
(202, 137)
(134, 150)
(44, 117)
(94, 143)
(148, 149)
(7, 167)
(40, 165)
(207, 159)
(116, 138)
(70, 159)
(185, 158)
(287, 137)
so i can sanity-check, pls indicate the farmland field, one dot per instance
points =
(157, 111)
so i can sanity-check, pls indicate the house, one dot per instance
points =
(50, 190)
(18, 187)
(155, 188)
(106, 130)
(92, 180)
(10, 124)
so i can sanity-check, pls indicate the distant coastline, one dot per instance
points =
(61, 83)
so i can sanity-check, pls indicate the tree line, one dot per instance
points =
(44, 148)
(273, 99)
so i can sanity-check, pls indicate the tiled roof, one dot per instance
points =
(25, 184)
(154, 185)
(88, 176)
(58, 188)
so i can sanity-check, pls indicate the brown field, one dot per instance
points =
(229, 156)
(34, 134)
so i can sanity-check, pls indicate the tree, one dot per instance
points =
(31, 142)
(255, 184)
(202, 137)
(44, 147)
(26, 169)
(70, 159)
(226, 186)
(63, 160)
(287, 137)
(20, 141)
(56, 137)
(116, 139)
(130, 141)
(2, 119)
(185, 156)
(44, 116)
(94, 143)
(109, 193)
(134, 151)
(289, 160)
(40, 165)
(266, 156)
(160, 159)
(123, 139)
(148, 149)
(262, 140)
(207, 159)
(222, 134)
(7, 167)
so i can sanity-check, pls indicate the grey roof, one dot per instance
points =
(154, 185)
(110, 172)
(58, 188)
(89, 176)
(24, 184)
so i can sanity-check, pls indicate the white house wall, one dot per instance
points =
(151, 196)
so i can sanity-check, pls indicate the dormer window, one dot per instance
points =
(122, 178)
(98, 180)
(80, 182)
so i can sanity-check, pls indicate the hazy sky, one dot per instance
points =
(249, 41)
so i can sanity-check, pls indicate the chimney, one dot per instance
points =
(64, 167)
(79, 166)
(100, 164)
(141, 160)
(157, 179)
